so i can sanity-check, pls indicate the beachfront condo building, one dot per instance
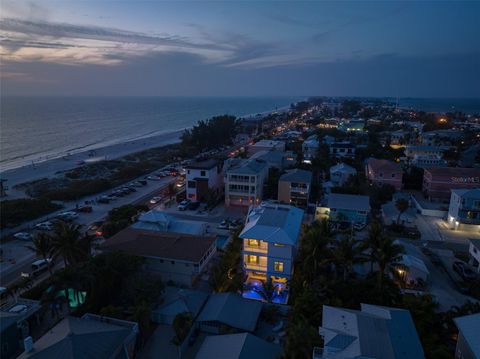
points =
(203, 177)
(244, 180)
(270, 239)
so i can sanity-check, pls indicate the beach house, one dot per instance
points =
(310, 148)
(294, 187)
(201, 178)
(270, 239)
(468, 345)
(342, 149)
(266, 145)
(345, 208)
(176, 257)
(380, 172)
(244, 180)
(439, 181)
(340, 173)
(372, 332)
(464, 210)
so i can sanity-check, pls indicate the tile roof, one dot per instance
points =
(383, 165)
(160, 244)
(203, 165)
(248, 167)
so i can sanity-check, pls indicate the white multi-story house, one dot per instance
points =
(424, 161)
(201, 177)
(339, 174)
(464, 209)
(310, 148)
(244, 180)
(342, 149)
(270, 238)
(294, 187)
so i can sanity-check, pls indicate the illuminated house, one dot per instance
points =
(381, 172)
(244, 180)
(345, 208)
(310, 148)
(464, 209)
(202, 177)
(270, 239)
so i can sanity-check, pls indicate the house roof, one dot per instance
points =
(297, 175)
(183, 300)
(342, 145)
(247, 167)
(231, 309)
(348, 201)
(273, 223)
(469, 193)
(454, 171)
(342, 167)
(414, 262)
(469, 326)
(160, 221)
(160, 244)
(271, 157)
(203, 165)
(383, 165)
(79, 338)
(266, 143)
(375, 331)
(237, 346)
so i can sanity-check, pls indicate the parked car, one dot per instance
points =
(24, 236)
(155, 200)
(142, 182)
(95, 229)
(104, 199)
(464, 271)
(38, 267)
(44, 226)
(153, 178)
(223, 224)
(182, 206)
(84, 209)
(68, 216)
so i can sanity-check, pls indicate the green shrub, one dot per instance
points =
(16, 211)
(79, 189)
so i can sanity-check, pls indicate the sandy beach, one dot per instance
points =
(49, 168)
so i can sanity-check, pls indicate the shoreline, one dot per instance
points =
(51, 167)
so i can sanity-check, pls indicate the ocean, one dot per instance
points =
(466, 105)
(35, 128)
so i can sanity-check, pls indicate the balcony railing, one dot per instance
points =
(254, 266)
(255, 249)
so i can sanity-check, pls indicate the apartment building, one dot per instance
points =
(294, 187)
(464, 209)
(439, 181)
(381, 172)
(244, 180)
(201, 177)
(270, 238)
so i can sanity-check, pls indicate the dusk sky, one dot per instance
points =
(240, 48)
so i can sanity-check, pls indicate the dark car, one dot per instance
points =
(84, 209)
(464, 271)
(142, 182)
(104, 199)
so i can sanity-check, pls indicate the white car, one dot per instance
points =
(44, 226)
(223, 225)
(68, 216)
(155, 200)
(24, 236)
(183, 205)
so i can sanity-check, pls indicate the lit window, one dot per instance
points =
(279, 245)
(252, 259)
(254, 242)
(278, 266)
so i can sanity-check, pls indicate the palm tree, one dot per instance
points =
(42, 245)
(181, 326)
(66, 242)
(402, 206)
(372, 243)
(389, 254)
(315, 249)
(346, 253)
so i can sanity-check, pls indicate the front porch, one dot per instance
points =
(255, 287)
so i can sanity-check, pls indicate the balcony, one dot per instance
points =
(255, 266)
(263, 248)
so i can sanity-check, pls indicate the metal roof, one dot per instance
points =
(469, 326)
(297, 175)
(273, 223)
(348, 201)
(231, 309)
(237, 346)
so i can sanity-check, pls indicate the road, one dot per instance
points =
(17, 257)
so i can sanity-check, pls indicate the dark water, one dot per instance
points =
(468, 105)
(34, 127)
